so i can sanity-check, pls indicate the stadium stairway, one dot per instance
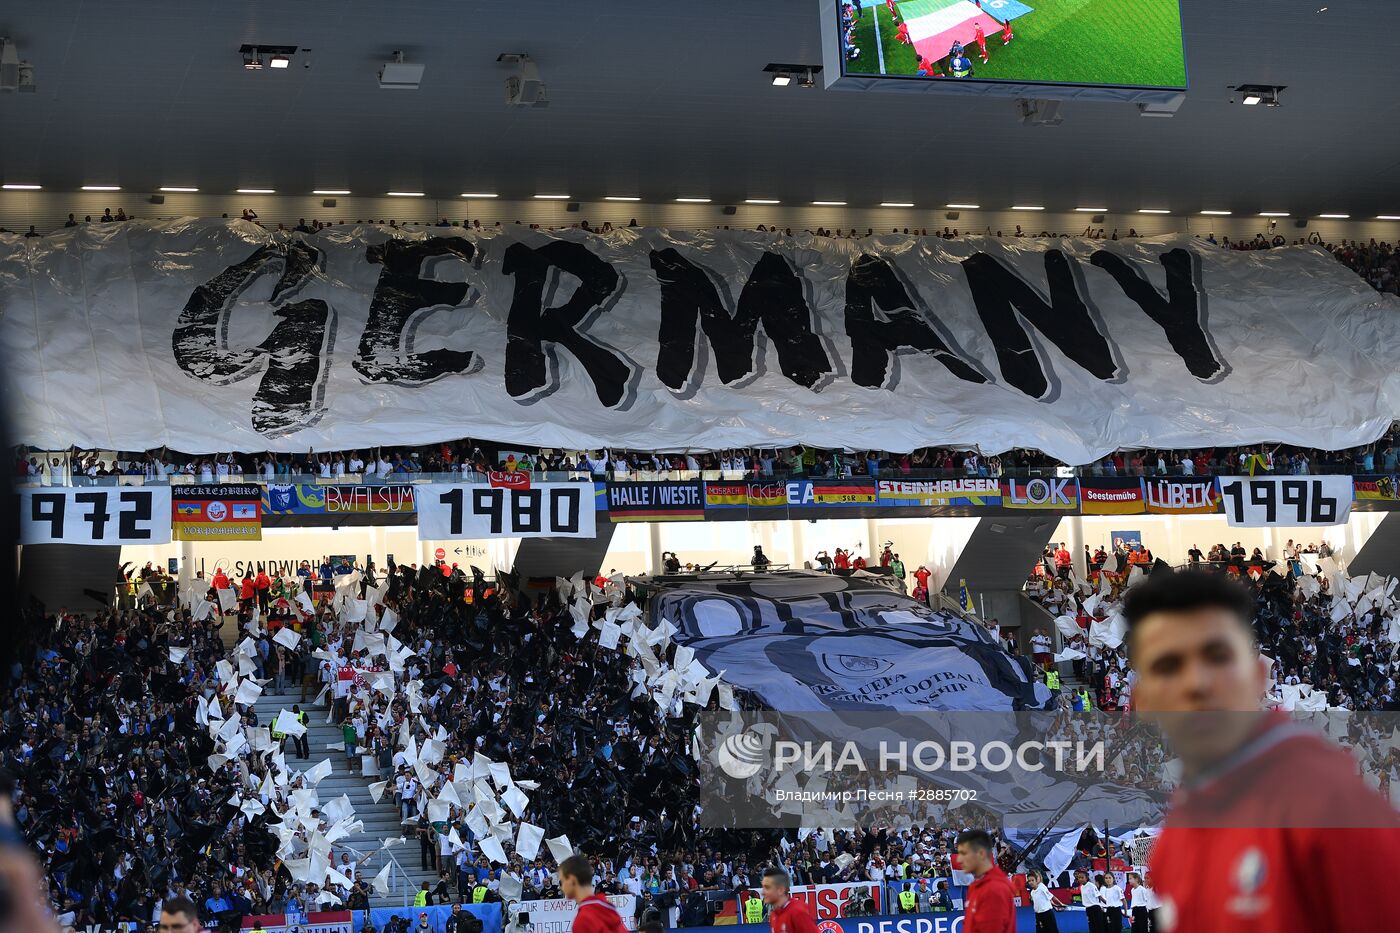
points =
(381, 820)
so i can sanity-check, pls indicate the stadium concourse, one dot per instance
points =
(807, 466)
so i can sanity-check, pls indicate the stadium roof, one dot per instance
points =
(662, 100)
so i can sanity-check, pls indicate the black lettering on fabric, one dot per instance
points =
(294, 358)
(535, 328)
(772, 297)
(1004, 300)
(402, 298)
(876, 344)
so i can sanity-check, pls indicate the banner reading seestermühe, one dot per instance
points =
(216, 335)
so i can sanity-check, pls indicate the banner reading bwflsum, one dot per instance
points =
(545, 510)
(95, 515)
(1256, 501)
(228, 336)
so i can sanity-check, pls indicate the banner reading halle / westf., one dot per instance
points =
(230, 512)
(233, 337)
(659, 501)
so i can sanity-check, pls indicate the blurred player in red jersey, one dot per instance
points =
(893, 12)
(596, 914)
(980, 38)
(785, 915)
(1006, 34)
(902, 33)
(988, 907)
(1272, 828)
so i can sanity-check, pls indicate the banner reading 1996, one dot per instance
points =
(1255, 501)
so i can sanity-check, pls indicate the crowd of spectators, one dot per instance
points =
(117, 790)
(1328, 634)
(471, 460)
(1378, 262)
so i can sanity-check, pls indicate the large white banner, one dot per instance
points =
(1259, 501)
(211, 335)
(95, 515)
(556, 915)
(545, 510)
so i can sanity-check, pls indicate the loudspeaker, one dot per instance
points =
(729, 209)
(1097, 219)
(1301, 223)
(571, 207)
(328, 202)
(157, 199)
(951, 215)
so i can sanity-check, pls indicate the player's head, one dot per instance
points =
(1190, 638)
(776, 885)
(975, 852)
(178, 915)
(576, 877)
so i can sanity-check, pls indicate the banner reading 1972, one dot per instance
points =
(95, 515)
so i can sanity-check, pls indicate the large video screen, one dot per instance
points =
(1110, 43)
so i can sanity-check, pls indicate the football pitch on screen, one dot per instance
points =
(1108, 42)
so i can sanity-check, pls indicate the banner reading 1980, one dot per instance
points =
(545, 510)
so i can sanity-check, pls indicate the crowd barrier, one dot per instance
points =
(1069, 921)
(488, 914)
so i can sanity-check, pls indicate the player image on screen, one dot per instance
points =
(1080, 42)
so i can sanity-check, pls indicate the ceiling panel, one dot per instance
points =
(661, 99)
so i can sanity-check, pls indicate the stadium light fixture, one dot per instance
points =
(1389, 217)
(279, 61)
(1273, 214)
(762, 201)
(618, 197)
(331, 191)
(1217, 213)
(176, 189)
(21, 187)
(102, 187)
(479, 194)
(404, 194)
(692, 200)
(1153, 210)
(552, 197)
(1334, 216)
(1083, 210)
(828, 203)
(257, 191)
(964, 207)
(1252, 95)
(782, 79)
(1026, 207)
(896, 204)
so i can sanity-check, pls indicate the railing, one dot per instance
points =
(567, 476)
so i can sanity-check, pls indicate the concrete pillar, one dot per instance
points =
(187, 566)
(654, 540)
(1075, 526)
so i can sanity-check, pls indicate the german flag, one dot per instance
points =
(725, 495)
(842, 494)
(766, 495)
